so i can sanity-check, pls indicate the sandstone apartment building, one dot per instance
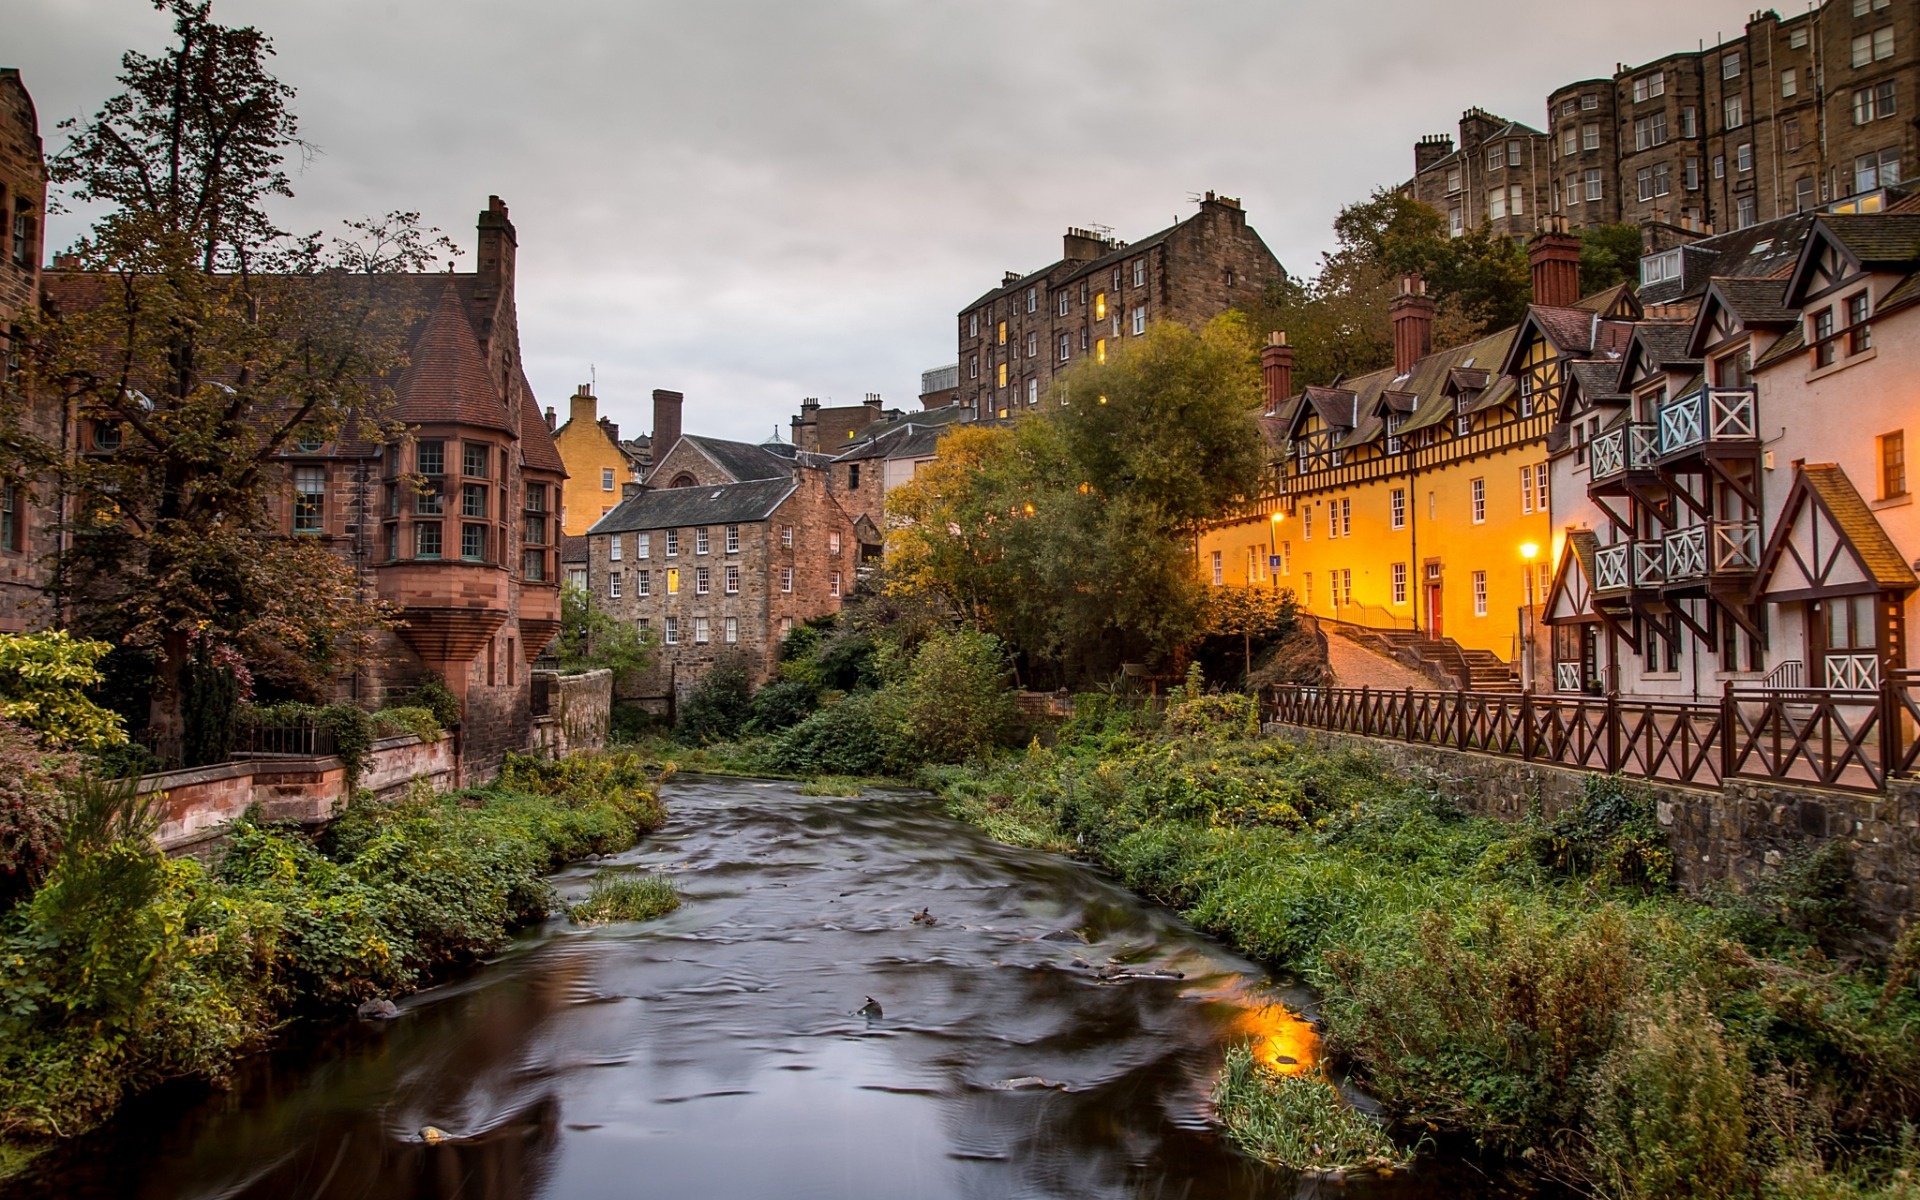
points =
(1015, 338)
(1787, 115)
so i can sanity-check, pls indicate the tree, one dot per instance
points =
(954, 699)
(1249, 614)
(590, 640)
(1068, 533)
(211, 341)
(44, 680)
(1609, 255)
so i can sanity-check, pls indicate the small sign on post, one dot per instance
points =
(1273, 563)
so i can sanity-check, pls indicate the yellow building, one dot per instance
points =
(1415, 498)
(597, 464)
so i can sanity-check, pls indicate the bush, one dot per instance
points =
(1668, 1118)
(435, 696)
(625, 897)
(718, 707)
(1614, 834)
(954, 699)
(856, 735)
(31, 780)
(416, 720)
(44, 680)
(781, 704)
(1298, 1121)
(629, 722)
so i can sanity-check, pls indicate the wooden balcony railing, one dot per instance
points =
(1719, 415)
(1631, 447)
(1853, 740)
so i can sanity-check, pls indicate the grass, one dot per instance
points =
(833, 785)
(625, 897)
(1299, 1121)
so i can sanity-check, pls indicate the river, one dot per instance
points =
(1033, 1041)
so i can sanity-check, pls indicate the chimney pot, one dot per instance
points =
(1276, 370)
(550, 418)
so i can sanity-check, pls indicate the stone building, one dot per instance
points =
(598, 462)
(829, 430)
(1499, 175)
(28, 512)
(1787, 115)
(720, 569)
(1015, 338)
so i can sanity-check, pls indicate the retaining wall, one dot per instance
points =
(1735, 836)
(579, 709)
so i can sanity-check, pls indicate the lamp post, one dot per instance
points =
(1528, 552)
(1273, 550)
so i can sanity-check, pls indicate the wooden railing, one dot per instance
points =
(1851, 740)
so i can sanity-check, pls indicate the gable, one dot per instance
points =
(1570, 599)
(1828, 543)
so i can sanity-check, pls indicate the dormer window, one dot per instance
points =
(1658, 268)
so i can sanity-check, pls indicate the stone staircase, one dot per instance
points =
(1444, 661)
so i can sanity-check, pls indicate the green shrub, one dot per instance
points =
(1668, 1116)
(719, 705)
(855, 735)
(954, 698)
(435, 695)
(1614, 834)
(31, 809)
(417, 720)
(630, 722)
(625, 897)
(1298, 1121)
(783, 703)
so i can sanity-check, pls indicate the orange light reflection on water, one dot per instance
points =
(1281, 1038)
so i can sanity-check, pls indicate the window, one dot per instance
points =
(733, 580)
(426, 540)
(613, 586)
(1513, 154)
(1648, 86)
(1306, 526)
(1803, 195)
(473, 543)
(1644, 182)
(1883, 44)
(1590, 101)
(833, 584)
(673, 631)
(1789, 83)
(1033, 391)
(643, 583)
(1689, 122)
(1399, 583)
(1590, 136)
(1462, 419)
(1456, 221)
(1573, 189)
(1000, 375)
(699, 631)
(1307, 592)
(1453, 180)
(1062, 298)
(1100, 351)
(1650, 131)
(642, 545)
(1662, 179)
(1743, 157)
(1099, 306)
(473, 500)
(786, 579)
(702, 542)
(1033, 344)
(1823, 351)
(673, 543)
(1893, 465)
(1479, 593)
(786, 536)
(702, 580)
(973, 366)
(732, 628)
(1002, 337)
(1736, 112)
(1730, 66)
(309, 500)
(1219, 570)
(1790, 133)
(673, 581)
(1743, 214)
(430, 458)
(1496, 158)
(1286, 558)
(1033, 299)
(1872, 103)
(1343, 580)
(1526, 489)
(1797, 40)
(1066, 346)
(1333, 518)
(1397, 508)
(1139, 272)
(393, 542)
(1346, 517)
(1880, 170)
(1719, 166)
(1859, 333)
(1593, 177)
(533, 565)
(833, 543)
(1139, 319)
(1496, 204)
(1862, 7)
(11, 513)
(1479, 501)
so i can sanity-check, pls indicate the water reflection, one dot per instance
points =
(1044, 1035)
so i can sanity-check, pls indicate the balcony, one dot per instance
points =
(1617, 453)
(1611, 565)
(1709, 418)
(1717, 550)
(1649, 564)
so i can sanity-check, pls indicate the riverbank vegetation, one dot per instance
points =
(1538, 987)
(625, 896)
(1299, 1121)
(124, 969)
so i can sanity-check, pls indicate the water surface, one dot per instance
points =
(1045, 1034)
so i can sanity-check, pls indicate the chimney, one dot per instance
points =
(1276, 370)
(630, 489)
(872, 401)
(613, 431)
(1430, 150)
(666, 422)
(1555, 257)
(582, 406)
(1412, 315)
(1082, 245)
(497, 245)
(550, 418)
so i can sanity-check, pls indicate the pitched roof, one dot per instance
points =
(742, 460)
(1856, 521)
(910, 440)
(536, 443)
(573, 548)
(1597, 380)
(673, 508)
(1755, 301)
(1876, 239)
(446, 380)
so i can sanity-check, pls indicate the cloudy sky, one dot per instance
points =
(753, 201)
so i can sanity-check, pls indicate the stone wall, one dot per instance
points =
(1734, 837)
(579, 710)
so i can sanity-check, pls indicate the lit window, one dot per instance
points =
(309, 500)
(1100, 351)
(1003, 333)
(1001, 375)
(1099, 306)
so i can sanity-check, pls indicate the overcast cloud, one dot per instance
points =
(753, 202)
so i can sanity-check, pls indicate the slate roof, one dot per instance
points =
(573, 548)
(1598, 381)
(1764, 251)
(1856, 521)
(674, 508)
(1877, 239)
(1756, 301)
(910, 440)
(536, 443)
(742, 460)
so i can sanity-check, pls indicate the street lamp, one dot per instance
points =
(1528, 552)
(1273, 549)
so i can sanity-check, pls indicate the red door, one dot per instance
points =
(1433, 600)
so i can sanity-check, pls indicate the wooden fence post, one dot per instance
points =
(1612, 720)
(1728, 721)
(1406, 717)
(1526, 725)
(1460, 720)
